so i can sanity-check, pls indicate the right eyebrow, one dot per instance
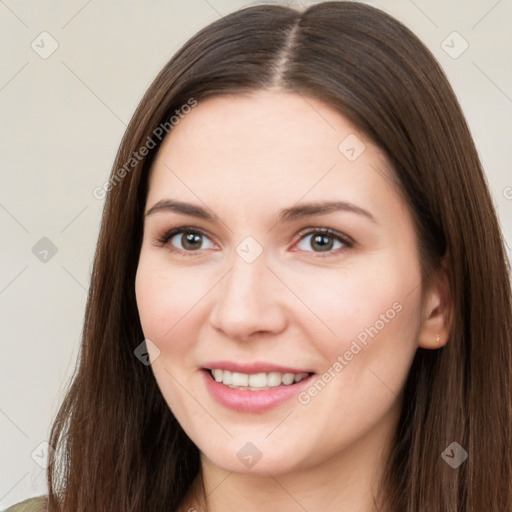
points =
(180, 207)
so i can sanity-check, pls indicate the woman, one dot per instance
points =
(300, 297)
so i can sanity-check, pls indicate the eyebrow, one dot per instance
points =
(286, 214)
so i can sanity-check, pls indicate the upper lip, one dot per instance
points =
(253, 367)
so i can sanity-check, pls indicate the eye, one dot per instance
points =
(325, 240)
(190, 240)
(184, 239)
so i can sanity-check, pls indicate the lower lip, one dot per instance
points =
(244, 400)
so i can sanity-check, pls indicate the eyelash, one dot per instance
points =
(163, 239)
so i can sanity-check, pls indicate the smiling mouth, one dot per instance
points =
(256, 381)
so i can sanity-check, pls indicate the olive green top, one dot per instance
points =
(37, 504)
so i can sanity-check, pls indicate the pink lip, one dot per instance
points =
(242, 400)
(255, 367)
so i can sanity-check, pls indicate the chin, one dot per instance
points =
(260, 458)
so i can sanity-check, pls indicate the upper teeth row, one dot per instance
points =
(256, 380)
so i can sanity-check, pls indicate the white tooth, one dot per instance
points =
(217, 375)
(273, 379)
(258, 380)
(287, 378)
(240, 379)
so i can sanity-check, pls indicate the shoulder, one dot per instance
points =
(37, 504)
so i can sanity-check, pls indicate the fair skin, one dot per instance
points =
(301, 303)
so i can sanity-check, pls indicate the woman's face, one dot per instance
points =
(251, 290)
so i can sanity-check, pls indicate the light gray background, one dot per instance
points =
(62, 119)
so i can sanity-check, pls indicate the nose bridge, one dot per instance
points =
(244, 286)
(247, 272)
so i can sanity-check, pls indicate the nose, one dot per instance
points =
(249, 301)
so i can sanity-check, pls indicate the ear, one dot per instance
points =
(437, 312)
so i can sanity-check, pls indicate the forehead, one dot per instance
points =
(268, 145)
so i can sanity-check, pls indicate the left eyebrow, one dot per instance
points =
(309, 209)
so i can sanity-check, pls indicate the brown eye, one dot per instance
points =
(324, 240)
(186, 240)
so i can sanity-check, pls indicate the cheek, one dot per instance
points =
(165, 299)
(375, 316)
(375, 313)
(165, 303)
(373, 298)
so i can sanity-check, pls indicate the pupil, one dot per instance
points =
(191, 238)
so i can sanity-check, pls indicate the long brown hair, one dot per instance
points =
(119, 447)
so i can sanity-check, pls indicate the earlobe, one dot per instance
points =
(437, 312)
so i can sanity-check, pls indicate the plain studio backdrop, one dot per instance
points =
(71, 76)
